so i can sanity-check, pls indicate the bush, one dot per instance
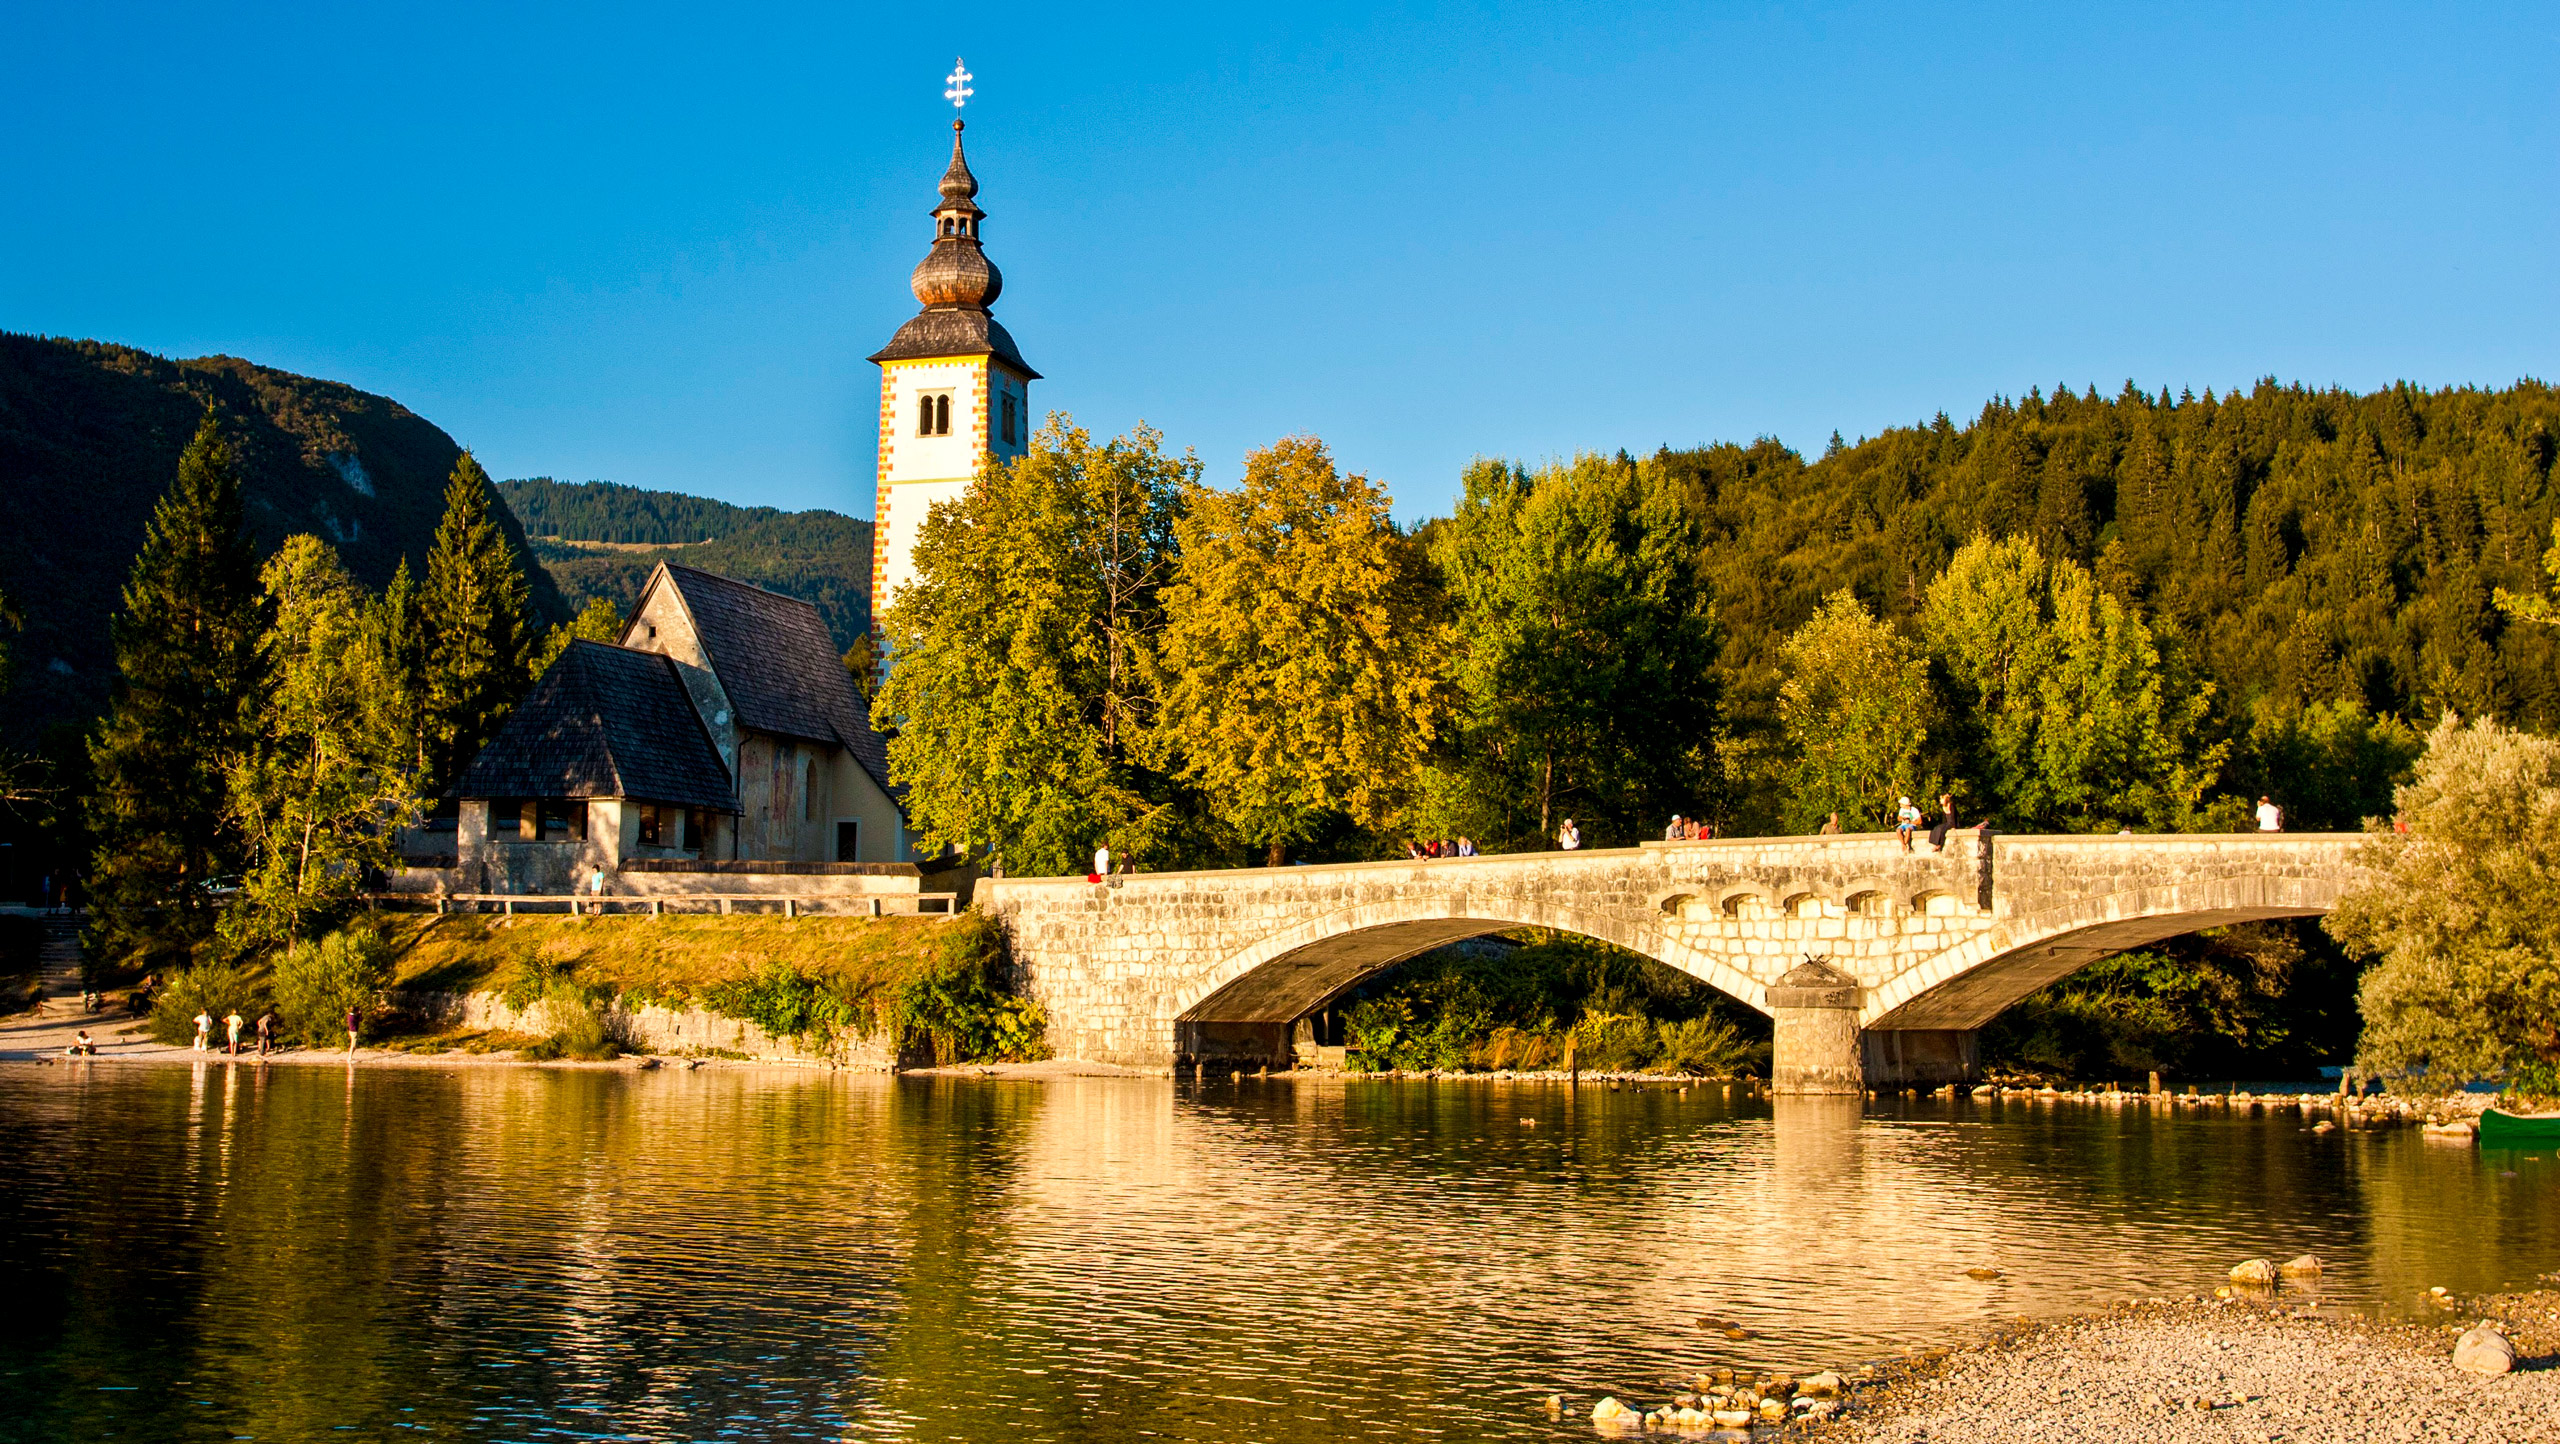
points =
(1616, 1042)
(955, 1009)
(215, 989)
(318, 984)
(1705, 1047)
(576, 1029)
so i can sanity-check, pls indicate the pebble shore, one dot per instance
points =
(2219, 1371)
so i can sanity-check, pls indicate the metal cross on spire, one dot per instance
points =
(959, 92)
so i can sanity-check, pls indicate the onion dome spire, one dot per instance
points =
(955, 282)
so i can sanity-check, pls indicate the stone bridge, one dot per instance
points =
(1875, 964)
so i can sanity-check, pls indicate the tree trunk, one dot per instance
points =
(1276, 855)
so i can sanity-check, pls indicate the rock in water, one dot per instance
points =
(2484, 1351)
(1985, 1274)
(2257, 1272)
(2303, 1267)
(1733, 1418)
(1610, 1411)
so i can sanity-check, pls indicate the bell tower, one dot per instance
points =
(953, 389)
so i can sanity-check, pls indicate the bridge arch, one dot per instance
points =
(1973, 981)
(1251, 999)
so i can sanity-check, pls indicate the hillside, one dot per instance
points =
(2297, 545)
(89, 439)
(600, 539)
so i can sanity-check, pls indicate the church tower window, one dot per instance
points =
(933, 415)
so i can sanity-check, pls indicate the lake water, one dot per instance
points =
(219, 1252)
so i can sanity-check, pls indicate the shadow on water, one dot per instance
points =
(496, 1253)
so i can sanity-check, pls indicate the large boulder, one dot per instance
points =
(2255, 1273)
(2484, 1351)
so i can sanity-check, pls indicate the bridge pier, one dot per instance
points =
(1816, 1047)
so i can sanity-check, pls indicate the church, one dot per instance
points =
(721, 730)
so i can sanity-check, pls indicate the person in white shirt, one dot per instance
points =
(1568, 836)
(2270, 816)
(1102, 861)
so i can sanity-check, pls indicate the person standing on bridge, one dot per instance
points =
(1831, 825)
(1568, 837)
(2270, 816)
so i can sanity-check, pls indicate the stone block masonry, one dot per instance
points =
(1209, 969)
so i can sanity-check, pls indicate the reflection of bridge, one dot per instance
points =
(1875, 964)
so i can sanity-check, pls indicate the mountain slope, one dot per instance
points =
(89, 439)
(600, 539)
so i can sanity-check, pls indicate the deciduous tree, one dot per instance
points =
(2467, 981)
(1303, 651)
(1586, 657)
(1021, 653)
(187, 673)
(598, 621)
(479, 638)
(2077, 721)
(1857, 707)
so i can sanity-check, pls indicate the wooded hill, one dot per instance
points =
(600, 539)
(89, 439)
(2298, 546)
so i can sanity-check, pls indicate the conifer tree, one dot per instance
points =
(326, 783)
(187, 673)
(1304, 653)
(598, 621)
(478, 637)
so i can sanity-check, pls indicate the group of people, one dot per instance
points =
(1689, 829)
(266, 1031)
(1429, 850)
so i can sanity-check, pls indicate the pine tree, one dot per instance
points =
(188, 671)
(326, 783)
(478, 637)
(1303, 652)
(598, 621)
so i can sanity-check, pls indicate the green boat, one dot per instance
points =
(2501, 1129)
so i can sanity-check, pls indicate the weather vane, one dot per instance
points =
(959, 92)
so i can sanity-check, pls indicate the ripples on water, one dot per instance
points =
(218, 1252)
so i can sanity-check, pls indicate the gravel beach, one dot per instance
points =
(2226, 1372)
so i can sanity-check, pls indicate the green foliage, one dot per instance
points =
(1019, 690)
(213, 987)
(576, 1030)
(1587, 646)
(606, 511)
(2535, 606)
(1470, 1008)
(324, 784)
(598, 621)
(2334, 763)
(953, 1009)
(479, 636)
(188, 674)
(2078, 723)
(2261, 1000)
(1302, 651)
(317, 984)
(2467, 983)
(1857, 709)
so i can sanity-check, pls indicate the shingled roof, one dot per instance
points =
(774, 658)
(604, 721)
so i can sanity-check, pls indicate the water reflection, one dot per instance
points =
(226, 1250)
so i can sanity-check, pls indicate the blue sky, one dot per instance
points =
(653, 244)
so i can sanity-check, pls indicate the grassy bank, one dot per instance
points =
(932, 986)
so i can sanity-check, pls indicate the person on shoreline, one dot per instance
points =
(204, 1031)
(354, 1021)
(81, 1043)
(266, 1031)
(233, 1024)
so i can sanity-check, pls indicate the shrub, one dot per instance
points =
(318, 984)
(576, 1029)
(1705, 1047)
(213, 988)
(954, 1008)
(1615, 1042)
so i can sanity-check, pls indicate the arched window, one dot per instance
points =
(924, 416)
(942, 416)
